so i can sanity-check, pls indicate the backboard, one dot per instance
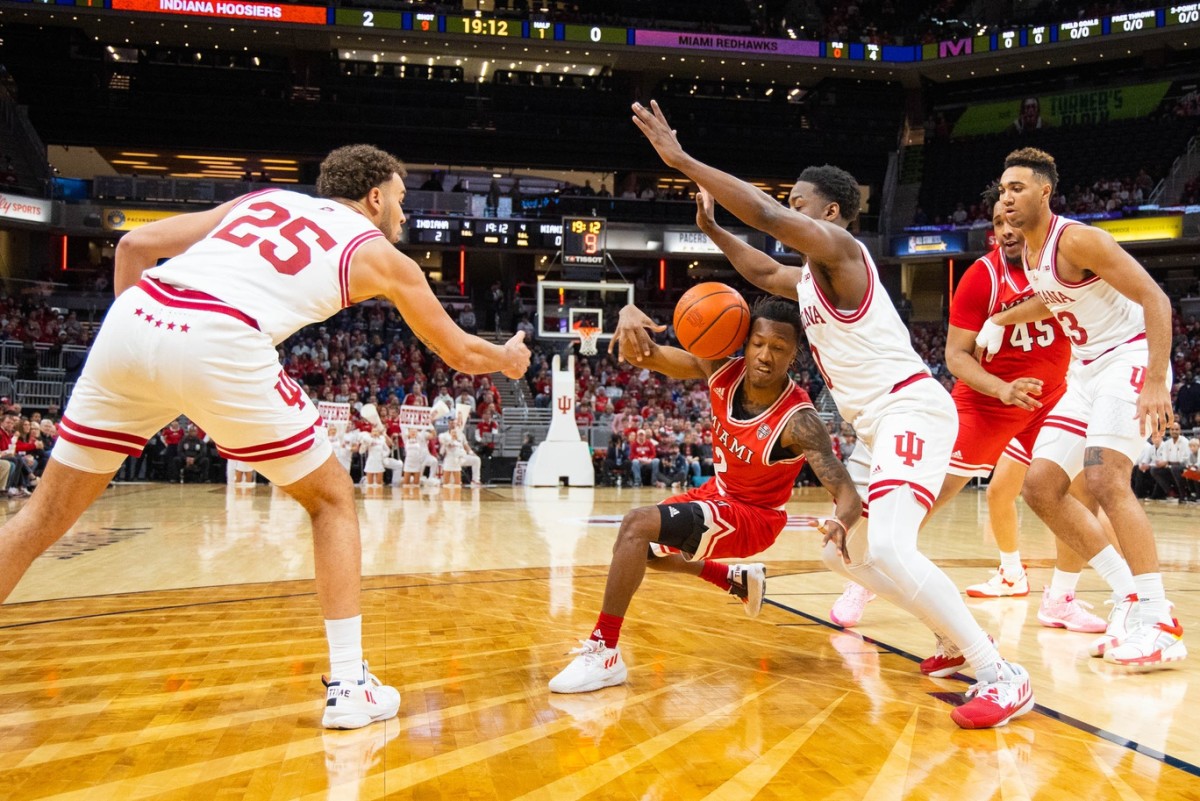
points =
(564, 305)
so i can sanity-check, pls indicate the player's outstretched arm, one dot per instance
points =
(1085, 245)
(142, 248)
(1029, 310)
(379, 270)
(633, 343)
(822, 242)
(805, 434)
(755, 266)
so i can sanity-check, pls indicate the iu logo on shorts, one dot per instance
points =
(910, 448)
(1138, 379)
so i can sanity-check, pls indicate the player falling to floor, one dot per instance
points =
(764, 428)
(1119, 324)
(197, 334)
(903, 418)
(1002, 403)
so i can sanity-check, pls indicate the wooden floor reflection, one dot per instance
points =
(170, 648)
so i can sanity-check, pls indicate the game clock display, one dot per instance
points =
(583, 240)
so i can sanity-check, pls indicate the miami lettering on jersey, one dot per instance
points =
(737, 450)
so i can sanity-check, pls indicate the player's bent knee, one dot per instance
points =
(640, 525)
(1106, 481)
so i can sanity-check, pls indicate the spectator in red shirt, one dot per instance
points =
(643, 456)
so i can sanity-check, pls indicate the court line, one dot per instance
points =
(949, 698)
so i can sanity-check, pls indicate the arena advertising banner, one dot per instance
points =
(24, 209)
(931, 244)
(1143, 229)
(228, 9)
(128, 219)
(1086, 107)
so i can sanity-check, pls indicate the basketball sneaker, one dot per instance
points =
(1121, 620)
(1068, 613)
(1001, 585)
(596, 666)
(994, 703)
(848, 609)
(1149, 647)
(946, 660)
(354, 704)
(749, 583)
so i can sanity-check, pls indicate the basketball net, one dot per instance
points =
(588, 338)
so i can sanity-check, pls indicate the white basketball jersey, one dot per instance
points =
(1094, 316)
(862, 353)
(279, 257)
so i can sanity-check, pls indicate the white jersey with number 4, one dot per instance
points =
(1094, 316)
(279, 257)
(864, 353)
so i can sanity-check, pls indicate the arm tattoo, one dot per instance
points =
(807, 435)
(1093, 456)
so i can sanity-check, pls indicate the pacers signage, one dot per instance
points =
(1143, 229)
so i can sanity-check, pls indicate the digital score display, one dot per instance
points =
(1133, 21)
(484, 26)
(486, 232)
(367, 18)
(595, 33)
(1080, 29)
(1186, 14)
(583, 240)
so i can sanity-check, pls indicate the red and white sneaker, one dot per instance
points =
(596, 666)
(1121, 619)
(995, 703)
(1002, 585)
(1149, 647)
(1068, 613)
(848, 609)
(946, 661)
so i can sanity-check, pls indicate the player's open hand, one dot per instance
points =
(516, 356)
(705, 217)
(833, 531)
(1154, 411)
(654, 125)
(1021, 393)
(632, 340)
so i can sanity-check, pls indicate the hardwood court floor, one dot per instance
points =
(170, 648)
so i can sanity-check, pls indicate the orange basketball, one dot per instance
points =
(711, 320)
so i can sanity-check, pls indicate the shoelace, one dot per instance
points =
(589, 648)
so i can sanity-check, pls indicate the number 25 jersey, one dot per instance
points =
(280, 257)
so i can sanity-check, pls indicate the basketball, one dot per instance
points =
(711, 320)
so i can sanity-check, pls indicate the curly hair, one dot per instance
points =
(352, 171)
(836, 186)
(778, 310)
(990, 197)
(1041, 162)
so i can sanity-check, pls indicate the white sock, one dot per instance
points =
(1010, 563)
(1115, 570)
(1063, 584)
(1153, 597)
(983, 657)
(345, 648)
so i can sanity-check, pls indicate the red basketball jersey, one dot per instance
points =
(742, 448)
(1033, 350)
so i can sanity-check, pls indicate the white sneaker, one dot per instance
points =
(848, 609)
(1001, 585)
(352, 705)
(1122, 619)
(995, 703)
(1149, 647)
(596, 666)
(749, 583)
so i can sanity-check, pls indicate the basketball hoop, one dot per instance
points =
(588, 337)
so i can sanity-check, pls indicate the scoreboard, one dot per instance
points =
(584, 240)
(484, 232)
(500, 28)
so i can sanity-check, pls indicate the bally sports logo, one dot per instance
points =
(29, 209)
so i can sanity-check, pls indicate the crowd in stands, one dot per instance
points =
(33, 319)
(1104, 195)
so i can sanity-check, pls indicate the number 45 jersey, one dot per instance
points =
(279, 257)
(1028, 350)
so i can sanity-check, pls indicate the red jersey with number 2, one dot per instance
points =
(280, 257)
(742, 465)
(1028, 350)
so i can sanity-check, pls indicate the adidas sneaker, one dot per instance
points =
(596, 666)
(749, 583)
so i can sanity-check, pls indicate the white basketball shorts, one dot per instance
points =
(163, 351)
